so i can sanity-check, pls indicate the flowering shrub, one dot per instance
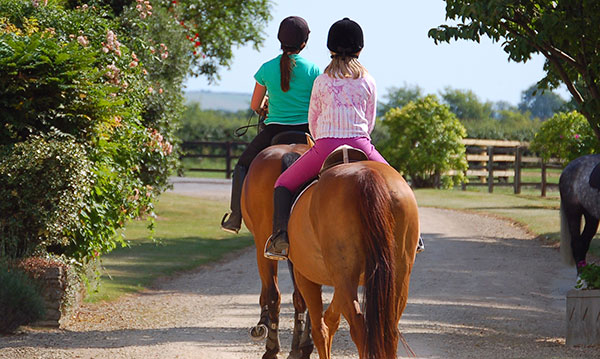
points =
(43, 184)
(101, 80)
(565, 136)
(425, 143)
(68, 72)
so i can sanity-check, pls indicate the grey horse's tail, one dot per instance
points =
(565, 239)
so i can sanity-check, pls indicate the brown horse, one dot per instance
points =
(257, 211)
(358, 225)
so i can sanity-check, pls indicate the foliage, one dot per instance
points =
(505, 125)
(215, 125)
(400, 97)
(564, 31)
(466, 105)
(565, 136)
(108, 74)
(541, 104)
(590, 274)
(43, 182)
(488, 120)
(425, 143)
(20, 301)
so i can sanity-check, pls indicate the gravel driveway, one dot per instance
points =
(483, 288)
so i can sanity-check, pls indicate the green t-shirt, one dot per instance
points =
(291, 107)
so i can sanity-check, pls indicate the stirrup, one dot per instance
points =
(420, 245)
(268, 253)
(234, 231)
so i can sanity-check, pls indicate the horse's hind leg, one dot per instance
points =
(346, 298)
(312, 295)
(581, 247)
(573, 215)
(302, 345)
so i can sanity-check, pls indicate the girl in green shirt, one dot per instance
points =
(287, 80)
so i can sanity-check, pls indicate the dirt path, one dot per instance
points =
(482, 289)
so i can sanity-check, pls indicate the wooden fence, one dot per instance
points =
(491, 162)
(229, 151)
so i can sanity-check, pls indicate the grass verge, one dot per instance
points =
(540, 215)
(187, 234)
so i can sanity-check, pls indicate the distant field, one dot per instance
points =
(225, 101)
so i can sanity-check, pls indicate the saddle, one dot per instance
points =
(594, 180)
(342, 154)
(290, 137)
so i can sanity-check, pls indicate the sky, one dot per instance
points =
(397, 51)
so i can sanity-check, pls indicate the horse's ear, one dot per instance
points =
(309, 141)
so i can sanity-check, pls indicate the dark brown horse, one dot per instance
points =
(358, 225)
(257, 211)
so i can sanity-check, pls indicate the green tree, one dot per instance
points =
(565, 32)
(399, 97)
(466, 105)
(425, 143)
(541, 104)
(565, 136)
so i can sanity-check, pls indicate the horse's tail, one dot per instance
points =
(380, 291)
(565, 238)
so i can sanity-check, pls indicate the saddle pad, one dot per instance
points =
(595, 177)
(297, 196)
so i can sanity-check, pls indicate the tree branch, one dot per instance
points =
(553, 60)
(555, 51)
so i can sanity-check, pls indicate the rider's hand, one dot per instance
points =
(264, 110)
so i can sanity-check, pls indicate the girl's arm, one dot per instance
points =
(314, 109)
(371, 112)
(258, 97)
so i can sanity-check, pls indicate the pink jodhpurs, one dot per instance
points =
(309, 164)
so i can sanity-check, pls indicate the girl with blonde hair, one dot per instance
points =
(342, 112)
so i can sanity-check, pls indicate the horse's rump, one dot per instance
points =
(359, 225)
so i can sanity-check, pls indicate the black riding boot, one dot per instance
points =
(278, 244)
(234, 222)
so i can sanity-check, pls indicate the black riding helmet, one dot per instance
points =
(345, 37)
(293, 32)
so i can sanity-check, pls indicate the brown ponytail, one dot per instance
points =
(286, 64)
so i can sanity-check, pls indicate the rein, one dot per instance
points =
(241, 131)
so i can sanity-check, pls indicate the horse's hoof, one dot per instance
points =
(298, 354)
(258, 333)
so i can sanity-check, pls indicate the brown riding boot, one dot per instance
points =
(277, 246)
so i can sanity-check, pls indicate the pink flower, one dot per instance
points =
(82, 40)
(150, 90)
(164, 55)
(160, 90)
(133, 64)
(577, 136)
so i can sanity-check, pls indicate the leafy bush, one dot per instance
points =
(590, 274)
(67, 72)
(43, 182)
(425, 143)
(565, 136)
(20, 301)
(214, 125)
(109, 74)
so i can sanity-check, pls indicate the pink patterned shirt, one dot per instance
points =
(342, 108)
